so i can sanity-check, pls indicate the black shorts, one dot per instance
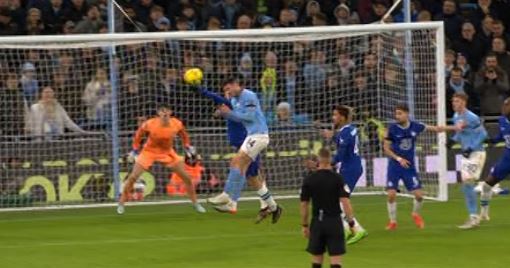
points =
(326, 234)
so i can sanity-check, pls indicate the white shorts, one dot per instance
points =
(254, 144)
(471, 168)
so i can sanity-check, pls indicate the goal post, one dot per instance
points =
(106, 84)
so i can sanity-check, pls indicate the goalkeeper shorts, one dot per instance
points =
(146, 159)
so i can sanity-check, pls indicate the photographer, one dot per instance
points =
(493, 90)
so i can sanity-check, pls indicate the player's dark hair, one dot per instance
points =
(231, 80)
(402, 107)
(462, 96)
(344, 110)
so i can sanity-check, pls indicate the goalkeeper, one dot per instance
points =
(236, 134)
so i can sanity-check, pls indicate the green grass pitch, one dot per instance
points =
(175, 236)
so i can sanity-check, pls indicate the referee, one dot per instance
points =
(325, 188)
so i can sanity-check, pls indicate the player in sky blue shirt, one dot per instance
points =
(471, 134)
(244, 107)
(501, 169)
(400, 147)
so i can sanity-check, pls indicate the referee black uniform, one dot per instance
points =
(324, 188)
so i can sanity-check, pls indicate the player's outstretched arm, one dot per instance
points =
(217, 98)
(184, 135)
(246, 114)
(389, 152)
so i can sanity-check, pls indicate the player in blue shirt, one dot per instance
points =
(471, 134)
(347, 159)
(502, 168)
(247, 111)
(399, 146)
(236, 134)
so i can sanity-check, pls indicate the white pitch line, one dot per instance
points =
(138, 240)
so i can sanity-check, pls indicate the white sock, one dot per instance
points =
(485, 198)
(392, 211)
(417, 206)
(357, 226)
(266, 196)
(233, 204)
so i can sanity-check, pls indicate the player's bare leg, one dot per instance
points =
(128, 186)
(335, 261)
(190, 188)
(392, 209)
(417, 205)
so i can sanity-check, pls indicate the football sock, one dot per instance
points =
(392, 211)
(316, 265)
(336, 266)
(237, 180)
(470, 196)
(485, 198)
(417, 205)
(266, 196)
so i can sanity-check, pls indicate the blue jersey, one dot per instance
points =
(403, 140)
(247, 111)
(347, 149)
(236, 132)
(473, 135)
(504, 133)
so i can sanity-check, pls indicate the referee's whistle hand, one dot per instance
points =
(306, 232)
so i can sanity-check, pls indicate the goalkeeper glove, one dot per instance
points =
(191, 156)
(467, 152)
(131, 158)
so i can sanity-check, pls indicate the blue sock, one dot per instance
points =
(237, 181)
(228, 186)
(471, 198)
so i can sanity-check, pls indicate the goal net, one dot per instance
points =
(71, 104)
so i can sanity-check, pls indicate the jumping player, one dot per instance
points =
(160, 132)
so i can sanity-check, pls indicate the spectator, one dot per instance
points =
(370, 67)
(12, 107)
(97, 99)
(91, 23)
(48, 118)
(361, 92)
(470, 45)
(189, 14)
(182, 25)
(214, 24)
(291, 81)
(457, 84)
(136, 25)
(344, 16)
(499, 48)
(463, 65)
(452, 20)
(246, 70)
(485, 31)
(68, 93)
(76, 11)
(415, 11)
(424, 16)
(314, 71)
(244, 22)
(286, 118)
(312, 8)
(230, 11)
(268, 82)
(68, 27)
(133, 106)
(53, 15)
(449, 60)
(493, 90)
(483, 9)
(29, 83)
(491, 61)
(379, 8)
(288, 18)
(8, 26)
(319, 19)
(34, 24)
(143, 9)
(158, 19)
(498, 30)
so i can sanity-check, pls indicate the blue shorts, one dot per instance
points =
(351, 177)
(408, 175)
(502, 168)
(253, 168)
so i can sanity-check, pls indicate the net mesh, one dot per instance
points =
(56, 140)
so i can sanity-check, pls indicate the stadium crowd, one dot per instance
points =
(46, 91)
